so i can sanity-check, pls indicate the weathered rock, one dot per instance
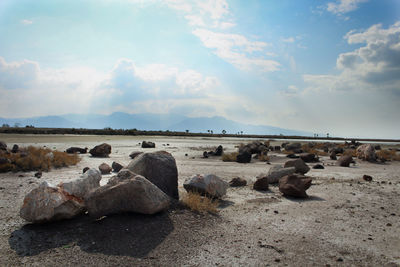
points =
(318, 166)
(243, 157)
(122, 175)
(308, 157)
(276, 172)
(367, 178)
(3, 146)
(136, 194)
(74, 149)
(366, 152)
(293, 146)
(333, 155)
(134, 154)
(38, 174)
(101, 151)
(344, 161)
(160, 169)
(294, 185)
(298, 164)
(82, 186)
(105, 168)
(210, 185)
(148, 144)
(85, 169)
(237, 181)
(49, 203)
(116, 166)
(218, 151)
(292, 156)
(15, 148)
(337, 150)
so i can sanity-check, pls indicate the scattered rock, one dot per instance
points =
(210, 185)
(274, 174)
(105, 168)
(83, 185)
(205, 154)
(367, 178)
(101, 151)
(294, 185)
(243, 157)
(333, 155)
(318, 166)
(134, 154)
(73, 150)
(292, 156)
(237, 181)
(85, 169)
(293, 146)
(277, 148)
(377, 147)
(15, 149)
(308, 157)
(345, 160)
(3, 146)
(136, 194)
(49, 203)
(218, 151)
(148, 144)
(38, 174)
(366, 152)
(160, 169)
(298, 164)
(116, 166)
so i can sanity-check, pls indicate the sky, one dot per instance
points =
(324, 66)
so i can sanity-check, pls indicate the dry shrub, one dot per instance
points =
(35, 158)
(199, 203)
(263, 157)
(230, 156)
(387, 155)
(350, 152)
(307, 149)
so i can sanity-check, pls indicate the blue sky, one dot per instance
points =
(320, 66)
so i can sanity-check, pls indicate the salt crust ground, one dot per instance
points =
(345, 222)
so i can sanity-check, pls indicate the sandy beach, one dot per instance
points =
(346, 221)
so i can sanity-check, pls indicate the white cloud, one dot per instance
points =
(374, 66)
(236, 49)
(341, 7)
(288, 40)
(26, 22)
(195, 20)
(27, 90)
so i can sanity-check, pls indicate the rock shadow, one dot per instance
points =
(132, 235)
(222, 204)
(309, 198)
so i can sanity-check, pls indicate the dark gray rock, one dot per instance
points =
(344, 161)
(298, 164)
(116, 166)
(148, 144)
(101, 151)
(136, 194)
(237, 182)
(210, 185)
(134, 154)
(105, 168)
(243, 157)
(294, 185)
(160, 169)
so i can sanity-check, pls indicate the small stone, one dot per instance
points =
(367, 178)
(388, 224)
(38, 174)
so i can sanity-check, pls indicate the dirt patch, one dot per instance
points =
(345, 221)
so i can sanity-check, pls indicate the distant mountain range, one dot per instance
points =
(149, 121)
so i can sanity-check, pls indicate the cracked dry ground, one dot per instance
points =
(346, 221)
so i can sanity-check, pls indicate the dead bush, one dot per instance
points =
(388, 155)
(230, 156)
(199, 203)
(36, 158)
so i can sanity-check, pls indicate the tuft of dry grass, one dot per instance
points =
(314, 150)
(387, 155)
(199, 203)
(36, 158)
(263, 157)
(350, 152)
(230, 156)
